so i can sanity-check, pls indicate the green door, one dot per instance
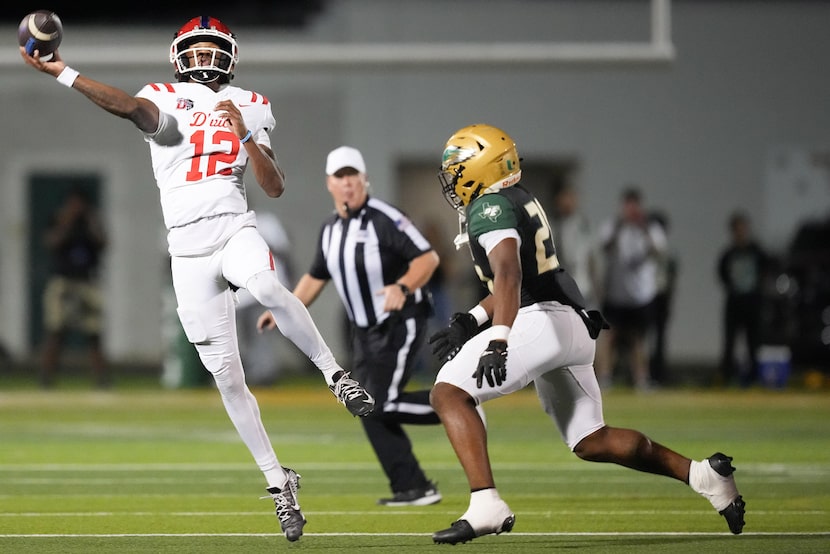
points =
(46, 192)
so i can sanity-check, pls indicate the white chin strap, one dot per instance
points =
(462, 238)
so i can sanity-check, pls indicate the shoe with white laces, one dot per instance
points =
(469, 527)
(352, 395)
(713, 479)
(288, 508)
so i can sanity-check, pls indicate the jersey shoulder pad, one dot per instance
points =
(160, 87)
(249, 98)
(490, 212)
(255, 106)
(157, 92)
(256, 98)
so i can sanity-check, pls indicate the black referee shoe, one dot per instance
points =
(414, 497)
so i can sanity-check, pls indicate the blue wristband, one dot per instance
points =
(246, 138)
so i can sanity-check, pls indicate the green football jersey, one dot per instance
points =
(515, 208)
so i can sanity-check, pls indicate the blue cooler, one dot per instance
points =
(774, 365)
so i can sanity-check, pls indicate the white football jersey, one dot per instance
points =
(197, 161)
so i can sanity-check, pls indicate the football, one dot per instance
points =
(42, 31)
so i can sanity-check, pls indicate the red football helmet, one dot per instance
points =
(204, 65)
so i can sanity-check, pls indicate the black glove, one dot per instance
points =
(447, 342)
(492, 364)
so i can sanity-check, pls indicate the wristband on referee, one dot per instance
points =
(499, 332)
(246, 138)
(480, 314)
(67, 76)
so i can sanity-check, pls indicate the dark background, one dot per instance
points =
(251, 13)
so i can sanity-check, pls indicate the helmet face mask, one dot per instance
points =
(448, 180)
(208, 62)
(477, 159)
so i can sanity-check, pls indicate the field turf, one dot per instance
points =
(140, 469)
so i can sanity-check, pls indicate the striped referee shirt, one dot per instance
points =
(364, 253)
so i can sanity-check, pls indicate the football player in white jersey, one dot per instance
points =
(203, 133)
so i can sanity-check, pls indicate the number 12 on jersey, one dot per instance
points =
(197, 139)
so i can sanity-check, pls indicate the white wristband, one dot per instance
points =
(499, 332)
(480, 314)
(68, 76)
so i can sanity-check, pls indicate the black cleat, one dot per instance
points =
(721, 463)
(734, 513)
(461, 531)
(288, 510)
(352, 395)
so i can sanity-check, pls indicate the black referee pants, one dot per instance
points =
(383, 362)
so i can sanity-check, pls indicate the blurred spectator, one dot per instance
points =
(741, 267)
(72, 297)
(666, 280)
(632, 245)
(808, 289)
(575, 243)
(262, 355)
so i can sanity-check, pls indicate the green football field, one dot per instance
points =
(143, 469)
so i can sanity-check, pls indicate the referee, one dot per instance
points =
(379, 262)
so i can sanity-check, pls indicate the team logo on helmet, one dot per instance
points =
(477, 159)
(455, 155)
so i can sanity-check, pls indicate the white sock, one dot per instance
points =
(487, 511)
(276, 478)
(720, 491)
(328, 373)
(484, 496)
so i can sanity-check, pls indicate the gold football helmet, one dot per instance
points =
(477, 159)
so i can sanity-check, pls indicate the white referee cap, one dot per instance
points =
(345, 156)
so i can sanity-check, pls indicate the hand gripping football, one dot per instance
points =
(41, 30)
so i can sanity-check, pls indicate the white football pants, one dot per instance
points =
(548, 345)
(207, 312)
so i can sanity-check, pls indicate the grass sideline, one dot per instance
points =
(144, 469)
